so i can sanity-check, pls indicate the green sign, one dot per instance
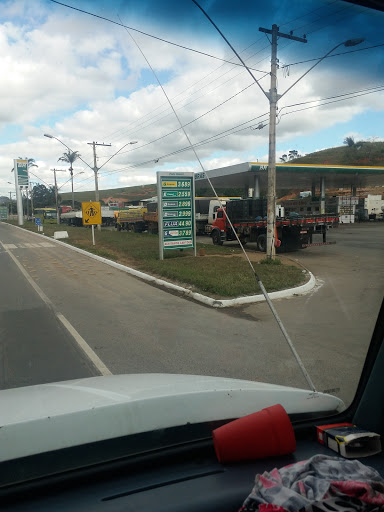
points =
(3, 213)
(176, 210)
(21, 169)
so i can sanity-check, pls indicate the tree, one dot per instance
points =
(43, 196)
(284, 158)
(349, 141)
(293, 153)
(70, 157)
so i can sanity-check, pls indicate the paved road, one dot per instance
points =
(34, 345)
(134, 327)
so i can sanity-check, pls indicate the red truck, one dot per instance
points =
(248, 217)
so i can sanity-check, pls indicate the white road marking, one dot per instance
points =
(97, 362)
(28, 245)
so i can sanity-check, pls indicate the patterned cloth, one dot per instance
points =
(319, 484)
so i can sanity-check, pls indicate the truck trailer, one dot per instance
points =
(249, 219)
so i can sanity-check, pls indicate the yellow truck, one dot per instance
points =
(131, 219)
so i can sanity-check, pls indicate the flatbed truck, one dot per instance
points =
(249, 220)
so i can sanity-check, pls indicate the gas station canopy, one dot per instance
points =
(250, 175)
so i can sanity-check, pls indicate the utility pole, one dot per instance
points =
(273, 99)
(95, 170)
(31, 192)
(56, 194)
(10, 203)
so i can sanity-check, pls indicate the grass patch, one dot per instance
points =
(222, 272)
(268, 261)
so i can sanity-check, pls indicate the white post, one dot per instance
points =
(93, 234)
(19, 201)
(256, 190)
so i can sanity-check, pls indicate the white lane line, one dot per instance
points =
(97, 362)
(10, 246)
(47, 244)
(84, 346)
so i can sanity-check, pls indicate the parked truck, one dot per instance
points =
(249, 218)
(75, 217)
(131, 219)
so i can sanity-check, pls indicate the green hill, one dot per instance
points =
(125, 193)
(361, 153)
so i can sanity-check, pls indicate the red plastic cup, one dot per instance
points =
(262, 434)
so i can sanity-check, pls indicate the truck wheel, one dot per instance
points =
(216, 238)
(261, 243)
(118, 227)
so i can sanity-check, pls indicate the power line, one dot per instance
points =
(151, 35)
(307, 13)
(234, 130)
(106, 19)
(342, 97)
(333, 55)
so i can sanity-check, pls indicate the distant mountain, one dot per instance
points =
(360, 153)
(124, 194)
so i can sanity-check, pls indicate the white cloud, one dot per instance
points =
(59, 78)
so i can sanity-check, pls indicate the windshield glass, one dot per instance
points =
(147, 105)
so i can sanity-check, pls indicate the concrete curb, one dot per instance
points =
(216, 303)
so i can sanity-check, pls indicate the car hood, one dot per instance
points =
(38, 419)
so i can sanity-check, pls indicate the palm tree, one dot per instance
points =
(70, 157)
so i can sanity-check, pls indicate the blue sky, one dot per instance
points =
(82, 79)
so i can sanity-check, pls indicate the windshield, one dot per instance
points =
(147, 105)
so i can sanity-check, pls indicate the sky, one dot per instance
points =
(84, 79)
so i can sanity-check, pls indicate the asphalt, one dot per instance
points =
(134, 327)
(34, 346)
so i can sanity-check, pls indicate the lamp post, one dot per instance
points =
(95, 169)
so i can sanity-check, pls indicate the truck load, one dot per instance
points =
(75, 217)
(131, 219)
(249, 219)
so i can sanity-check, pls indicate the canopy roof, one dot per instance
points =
(288, 176)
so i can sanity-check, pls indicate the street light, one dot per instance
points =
(61, 142)
(95, 169)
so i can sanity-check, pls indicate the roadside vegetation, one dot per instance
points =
(220, 272)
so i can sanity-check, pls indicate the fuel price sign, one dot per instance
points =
(176, 211)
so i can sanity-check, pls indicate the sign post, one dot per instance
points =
(176, 211)
(91, 215)
(20, 168)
